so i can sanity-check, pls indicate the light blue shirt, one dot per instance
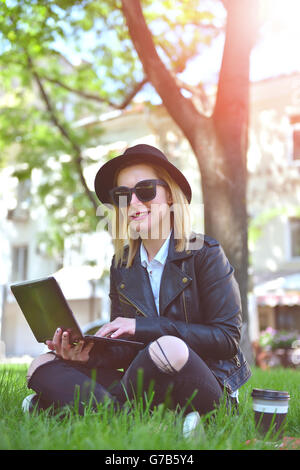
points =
(155, 267)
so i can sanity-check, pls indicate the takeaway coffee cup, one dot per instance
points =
(270, 409)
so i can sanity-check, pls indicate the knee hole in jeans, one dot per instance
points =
(169, 354)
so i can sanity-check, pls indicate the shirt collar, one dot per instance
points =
(160, 256)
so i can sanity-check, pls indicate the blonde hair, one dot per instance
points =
(180, 220)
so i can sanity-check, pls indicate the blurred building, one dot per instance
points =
(273, 202)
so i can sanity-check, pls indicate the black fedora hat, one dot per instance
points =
(141, 153)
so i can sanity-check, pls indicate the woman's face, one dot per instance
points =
(148, 219)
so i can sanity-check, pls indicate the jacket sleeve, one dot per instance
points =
(115, 356)
(218, 334)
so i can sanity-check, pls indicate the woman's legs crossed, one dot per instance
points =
(60, 383)
(177, 372)
(37, 362)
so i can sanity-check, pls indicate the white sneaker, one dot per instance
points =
(29, 403)
(192, 425)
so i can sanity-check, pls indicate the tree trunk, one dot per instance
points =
(224, 199)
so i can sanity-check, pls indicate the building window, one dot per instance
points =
(285, 318)
(294, 223)
(19, 263)
(295, 138)
(20, 213)
(296, 143)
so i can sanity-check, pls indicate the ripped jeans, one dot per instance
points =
(176, 374)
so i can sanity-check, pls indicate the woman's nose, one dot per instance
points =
(134, 199)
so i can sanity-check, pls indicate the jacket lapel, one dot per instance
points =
(174, 279)
(136, 288)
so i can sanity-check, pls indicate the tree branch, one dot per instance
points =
(89, 96)
(197, 91)
(233, 86)
(130, 96)
(63, 131)
(180, 108)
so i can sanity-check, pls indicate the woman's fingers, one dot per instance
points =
(50, 345)
(119, 332)
(118, 327)
(57, 340)
(89, 346)
(79, 352)
(105, 329)
(72, 352)
(85, 352)
(66, 346)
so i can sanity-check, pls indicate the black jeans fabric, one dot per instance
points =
(193, 387)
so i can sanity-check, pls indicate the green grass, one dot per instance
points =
(161, 430)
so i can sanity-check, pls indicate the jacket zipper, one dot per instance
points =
(237, 361)
(184, 307)
(124, 301)
(131, 303)
(183, 298)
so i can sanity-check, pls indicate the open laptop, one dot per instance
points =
(46, 308)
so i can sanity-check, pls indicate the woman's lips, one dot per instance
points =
(139, 215)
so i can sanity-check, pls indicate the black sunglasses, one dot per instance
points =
(145, 191)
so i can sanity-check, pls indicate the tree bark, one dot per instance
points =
(180, 108)
(219, 142)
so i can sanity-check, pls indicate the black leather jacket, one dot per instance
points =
(199, 303)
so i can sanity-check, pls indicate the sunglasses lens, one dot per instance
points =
(121, 197)
(146, 191)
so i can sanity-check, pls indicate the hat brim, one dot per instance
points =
(104, 180)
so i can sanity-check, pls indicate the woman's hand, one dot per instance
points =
(60, 344)
(119, 327)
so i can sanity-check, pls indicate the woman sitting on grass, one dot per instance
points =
(171, 290)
